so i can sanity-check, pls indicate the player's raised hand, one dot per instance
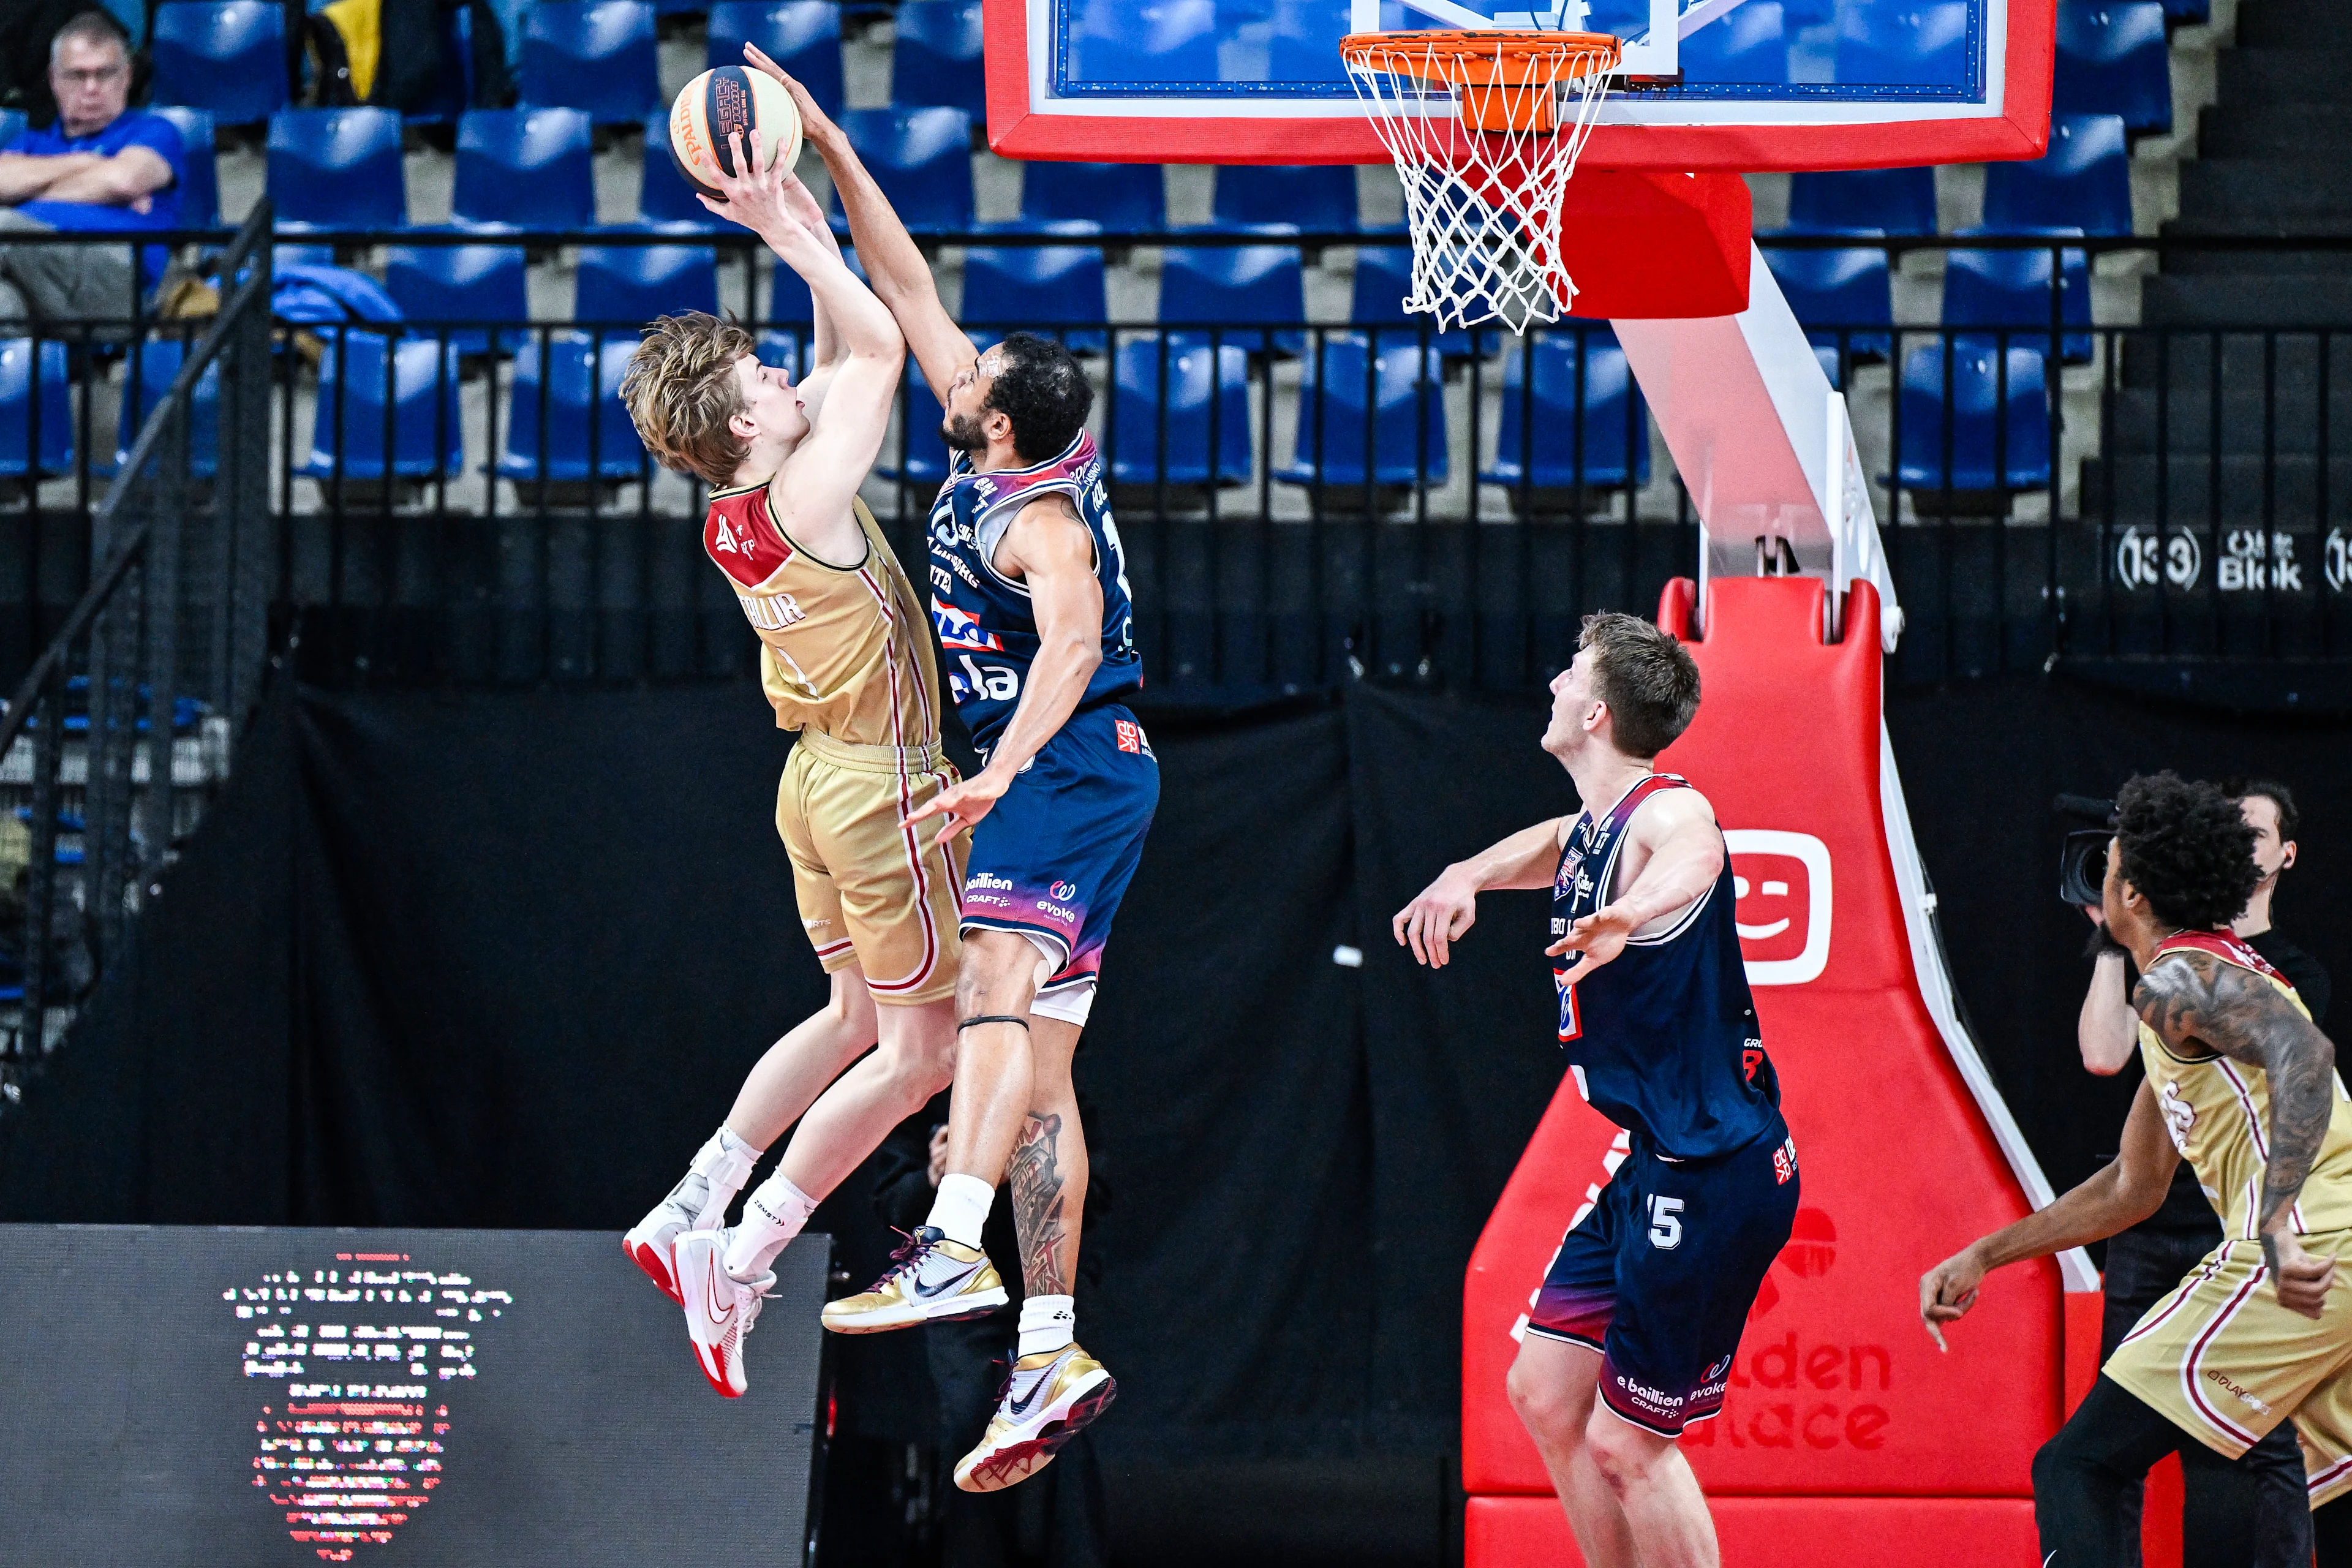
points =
(1437, 915)
(815, 123)
(961, 805)
(1947, 1291)
(1600, 936)
(2302, 1279)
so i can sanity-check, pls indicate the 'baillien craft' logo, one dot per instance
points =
(370, 1351)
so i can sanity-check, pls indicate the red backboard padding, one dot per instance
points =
(1786, 1532)
(1836, 1390)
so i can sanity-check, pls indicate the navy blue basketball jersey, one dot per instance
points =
(1662, 1039)
(986, 624)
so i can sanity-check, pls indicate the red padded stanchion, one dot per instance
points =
(1839, 1407)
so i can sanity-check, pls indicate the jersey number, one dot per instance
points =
(1665, 1228)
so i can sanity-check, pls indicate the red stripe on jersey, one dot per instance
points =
(740, 540)
(2227, 946)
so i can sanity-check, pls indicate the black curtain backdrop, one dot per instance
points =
(502, 959)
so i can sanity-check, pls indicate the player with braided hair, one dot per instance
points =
(2241, 1085)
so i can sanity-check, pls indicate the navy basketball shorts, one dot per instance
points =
(1055, 856)
(1659, 1274)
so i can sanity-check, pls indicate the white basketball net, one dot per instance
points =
(1483, 206)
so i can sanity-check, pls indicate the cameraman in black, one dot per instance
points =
(2265, 1488)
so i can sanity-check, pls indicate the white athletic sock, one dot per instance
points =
(723, 1163)
(1047, 1323)
(773, 1215)
(961, 1208)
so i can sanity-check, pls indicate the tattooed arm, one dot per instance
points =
(2199, 1004)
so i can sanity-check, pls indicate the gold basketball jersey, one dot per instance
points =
(843, 648)
(2218, 1113)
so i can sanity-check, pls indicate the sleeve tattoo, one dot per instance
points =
(1036, 1181)
(2192, 999)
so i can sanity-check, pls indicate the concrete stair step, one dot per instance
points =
(2215, 265)
(2262, 195)
(2141, 421)
(2290, 131)
(2185, 358)
(2188, 484)
(2242, 300)
(2287, 24)
(2292, 75)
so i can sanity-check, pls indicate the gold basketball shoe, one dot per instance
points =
(930, 1280)
(1048, 1399)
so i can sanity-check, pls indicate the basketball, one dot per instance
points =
(719, 104)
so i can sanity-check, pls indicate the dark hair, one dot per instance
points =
(1647, 678)
(91, 26)
(2277, 794)
(1044, 392)
(2187, 847)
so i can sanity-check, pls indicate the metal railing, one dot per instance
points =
(119, 729)
(1302, 504)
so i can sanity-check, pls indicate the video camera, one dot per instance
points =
(2083, 858)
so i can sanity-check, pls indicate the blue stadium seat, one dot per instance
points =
(2113, 58)
(801, 35)
(336, 168)
(629, 285)
(1157, 41)
(525, 168)
(568, 393)
(427, 428)
(200, 190)
(596, 55)
(664, 198)
(2084, 181)
(1894, 201)
(2012, 289)
(1383, 278)
(1299, 48)
(1902, 45)
(1400, 378)
(158, 363)
(922, 159)
(455, 283)
(782, 350)
(1979, 418)
(1831, 289)
(27, 380)
(1047, 288)
(1129, 198)
(1315, 196)
(2189, 13)
(938, 57)
(1542, 451)
(229, 57)
(1237, 285)
(1139, 409)
(922, 460)
(787, 297)
(1751, 45)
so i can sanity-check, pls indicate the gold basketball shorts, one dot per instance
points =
(871, 890)
(2222, 1361)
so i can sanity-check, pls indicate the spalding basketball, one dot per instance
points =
(719, 104)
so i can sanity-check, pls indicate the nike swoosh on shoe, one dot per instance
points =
(1023, 1406)
(932, 1292)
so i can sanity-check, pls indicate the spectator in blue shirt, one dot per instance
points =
(102, 166)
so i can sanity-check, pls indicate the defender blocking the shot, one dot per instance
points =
(2242, 1086)
(1632, 1336)
(1029, 589)
(846, 660)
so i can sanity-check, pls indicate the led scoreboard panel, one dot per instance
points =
(257, 1397)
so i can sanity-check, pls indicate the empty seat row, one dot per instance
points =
(2083, 182)
(1847, 294)
(229, 57)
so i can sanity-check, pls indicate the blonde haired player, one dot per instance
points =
(847, 661)
(2241, 1086)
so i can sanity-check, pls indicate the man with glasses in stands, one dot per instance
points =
(102, 167)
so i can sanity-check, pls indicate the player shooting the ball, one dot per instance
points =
(846, 662)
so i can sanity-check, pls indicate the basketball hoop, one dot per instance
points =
(1483, 184)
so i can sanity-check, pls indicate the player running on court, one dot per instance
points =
(2245, 1088)
(847, 661)
(1633, 1331)
(1029, 588)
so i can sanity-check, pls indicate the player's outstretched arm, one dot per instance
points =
(900, 274)
(812, 491)
(2128, 1191)
(1054, 553)
(2193, 999)
(1685, 848)
(1443, 911)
